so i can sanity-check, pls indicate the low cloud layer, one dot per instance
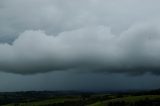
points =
(91, 48)
(97, 36)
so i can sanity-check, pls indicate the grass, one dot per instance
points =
(97, 104)
(128, 99)
(45, 102)
(112, 98)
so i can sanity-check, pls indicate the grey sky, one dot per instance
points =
(88, 36)
(64, 80)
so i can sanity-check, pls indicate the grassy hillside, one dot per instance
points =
(128, 100)
(44, 98)
(44, 102)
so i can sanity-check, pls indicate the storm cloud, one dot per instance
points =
(38, 36)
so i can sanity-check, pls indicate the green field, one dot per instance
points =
(43, 102)
(47, 98)
(128, 100)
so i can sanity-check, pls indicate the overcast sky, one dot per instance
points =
(79, 44)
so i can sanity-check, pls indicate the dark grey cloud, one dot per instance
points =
(96, 36)
(68, 80)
